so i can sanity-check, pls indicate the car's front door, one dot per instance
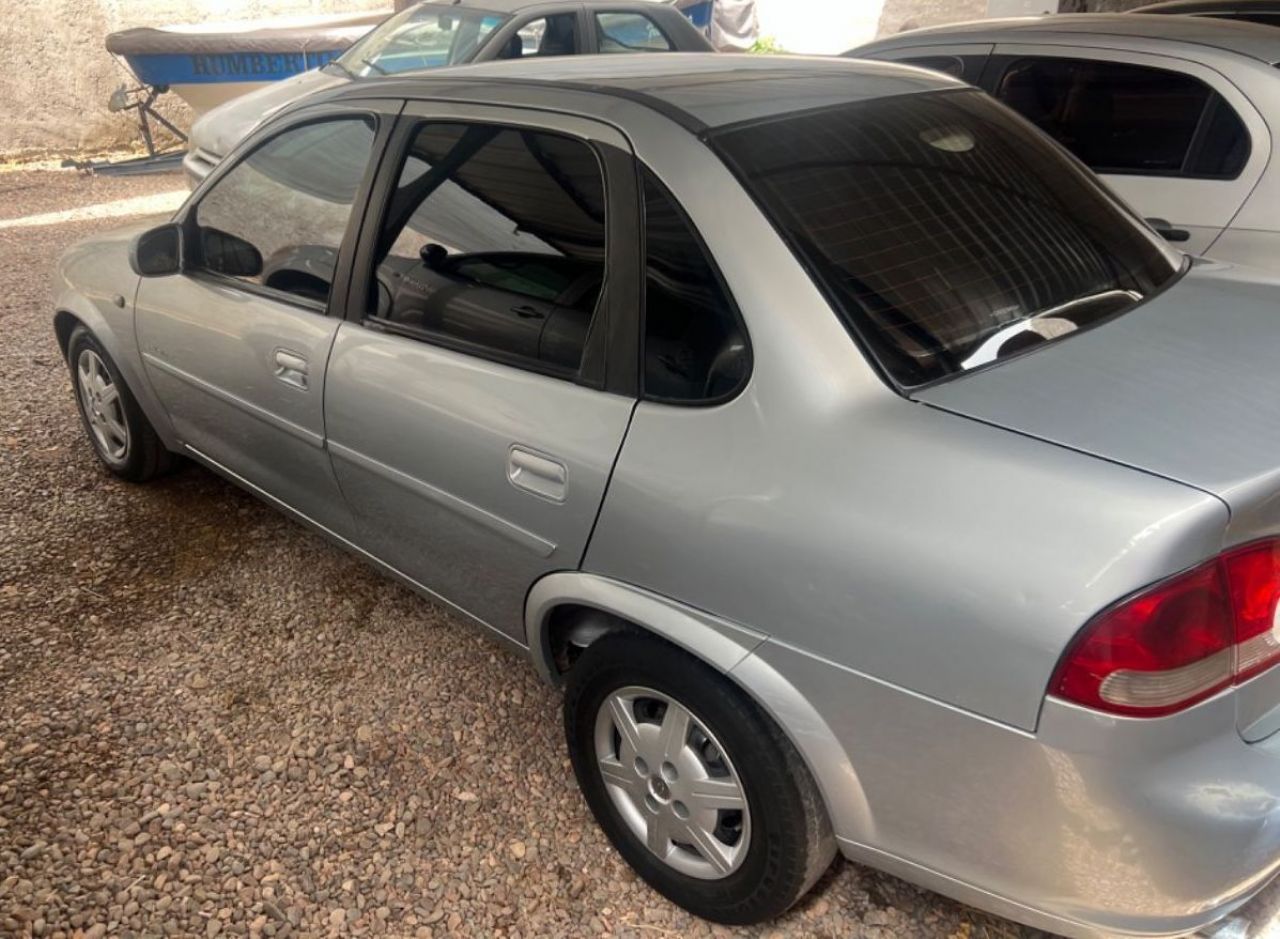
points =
(481, 388)
(1175, 139)
(236, 344)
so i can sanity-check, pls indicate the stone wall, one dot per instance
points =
(57, 74)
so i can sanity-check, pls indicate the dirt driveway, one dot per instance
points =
(214, 723)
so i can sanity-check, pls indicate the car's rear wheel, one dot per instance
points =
(695, 786)
(120, 434)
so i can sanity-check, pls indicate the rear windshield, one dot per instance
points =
(945, 230)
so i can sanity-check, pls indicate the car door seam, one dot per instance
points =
(608, 481)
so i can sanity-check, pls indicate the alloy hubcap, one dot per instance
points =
(100, 401)
(672, 783)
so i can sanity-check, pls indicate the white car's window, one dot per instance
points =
(629, 32)
(945, 231)
(1121, 118)
(277, 218)
(494, 243)
(426, 35)
(545, 36)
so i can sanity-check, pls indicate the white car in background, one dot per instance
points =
(1174, 112)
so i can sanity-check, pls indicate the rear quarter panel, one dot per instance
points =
(929, 551)
(935, 553)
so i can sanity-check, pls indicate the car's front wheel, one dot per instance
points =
(119, 432)
(695, 786)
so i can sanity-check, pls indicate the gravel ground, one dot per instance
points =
(214, 723)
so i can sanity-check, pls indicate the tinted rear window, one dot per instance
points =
(943, 229)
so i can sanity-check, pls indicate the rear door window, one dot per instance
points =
(1128, 119)
(545, 36)
(629, 32)
(494, 244)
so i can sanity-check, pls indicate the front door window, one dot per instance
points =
(277, 219)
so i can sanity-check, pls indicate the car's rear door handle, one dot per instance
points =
(536, 473)
(291, 368)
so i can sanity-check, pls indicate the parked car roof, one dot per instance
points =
(1245, 39)
(699, 90)
(1210, 7)
(515, 6)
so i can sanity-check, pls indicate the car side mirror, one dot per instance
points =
(434, 255)
(228, 254)
(157, 252)
(1164, 228)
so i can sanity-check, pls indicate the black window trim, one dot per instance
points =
(999, 63)
(640, 170)
(608, 356)
(187, 217)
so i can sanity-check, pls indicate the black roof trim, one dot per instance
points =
(413, 88)
(668, 110)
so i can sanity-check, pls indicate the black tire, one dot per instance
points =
(145, 456)
(790, 844)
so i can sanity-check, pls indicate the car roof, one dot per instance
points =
(1210, 6)
(698, 90)
(515, 6)
(1246, 39)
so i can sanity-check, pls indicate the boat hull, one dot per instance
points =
(209, 63)
(215, 68)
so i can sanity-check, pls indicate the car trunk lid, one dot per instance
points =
(1185, 386)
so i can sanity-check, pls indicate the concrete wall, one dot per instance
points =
(57, 74)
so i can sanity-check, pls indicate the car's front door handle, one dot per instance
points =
(291, 368)
(536, 473)
(524, 311)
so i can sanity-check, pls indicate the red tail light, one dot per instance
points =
(1181, 640)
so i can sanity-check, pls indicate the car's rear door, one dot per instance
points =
(473, 459)
(1174, 138)
(236, 344)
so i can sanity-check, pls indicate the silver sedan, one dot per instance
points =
(871, 478)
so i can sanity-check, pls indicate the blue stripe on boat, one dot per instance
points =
(212, 67)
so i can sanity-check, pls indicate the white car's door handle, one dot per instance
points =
(537, 474)
(291, 368)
